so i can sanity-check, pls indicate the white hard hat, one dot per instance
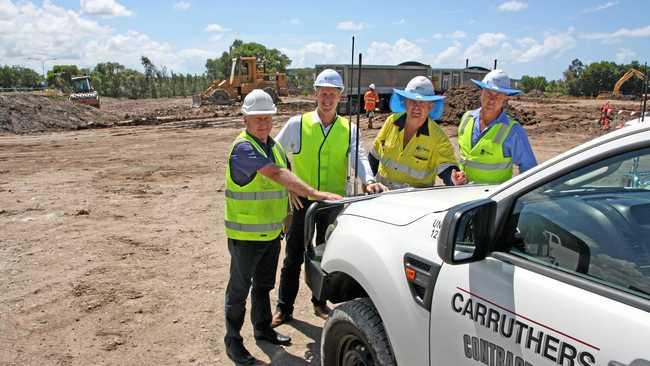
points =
(329, 77)
(371, 86)
(258, 102)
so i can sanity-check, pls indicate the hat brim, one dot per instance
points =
(399, 97)
(506, 91)
(259, 113)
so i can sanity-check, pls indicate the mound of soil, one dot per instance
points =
(463, 99)
(23, 113)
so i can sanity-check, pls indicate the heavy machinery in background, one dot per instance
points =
(616, 92)
(389, 77)
(245, 75)
(83, 91)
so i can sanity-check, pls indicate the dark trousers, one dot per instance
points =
(256, 263)
(294, 254)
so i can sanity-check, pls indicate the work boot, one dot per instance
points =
(280, 318)
(238, 353)
(273, 337)
(322, 311)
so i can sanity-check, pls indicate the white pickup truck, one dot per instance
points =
(549, 268)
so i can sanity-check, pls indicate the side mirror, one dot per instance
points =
(466, 232)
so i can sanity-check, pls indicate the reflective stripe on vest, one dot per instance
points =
(416, 174)
(255, 211)
(416, 163)
(256, 195)
(322, 161)
(254, 228)
(484, 166)
(484, 162)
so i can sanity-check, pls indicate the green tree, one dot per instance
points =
(529, 83)
(572, 76)
(107, 78)
(60, 76)
(270, 60)
(597, 77)
(18, 77)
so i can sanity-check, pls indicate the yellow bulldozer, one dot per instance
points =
(616, 93)
(245, 75)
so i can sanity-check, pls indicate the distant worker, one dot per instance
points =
(371, 102)
(605, 114)
(256, 207)
(490, 141)
(411, 149)
(322, 145)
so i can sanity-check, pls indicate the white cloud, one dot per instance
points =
(485, 47)
(490, 46)
(601, 7)
(106, 8)
(312, 53)
(513, 6)
(448, 56)
(458, 34)
(61, 36)
(619, 34)
(295, 21)
(7, 9)
(384, 53)
(400, 22)
(625, 55)
(182, 6)
(350, 25)
(552, 45)
(216, 28)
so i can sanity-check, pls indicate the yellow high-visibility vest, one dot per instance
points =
(255, 211)
(484, 162)
(322, 161)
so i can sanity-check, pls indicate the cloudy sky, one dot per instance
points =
(533, 37)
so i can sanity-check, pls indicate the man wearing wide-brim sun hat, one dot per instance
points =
(490, 141)
(411, 149)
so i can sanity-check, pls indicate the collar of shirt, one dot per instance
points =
(269, 142)
(318, 120)
(502, 118)
(423, 130)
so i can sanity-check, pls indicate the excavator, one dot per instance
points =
(83, 92)
(617, 87)
(245, 75)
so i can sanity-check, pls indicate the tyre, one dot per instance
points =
(220, 97)
(354, 335)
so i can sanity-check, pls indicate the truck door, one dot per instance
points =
(571, 284)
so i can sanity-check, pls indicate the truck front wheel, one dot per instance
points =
(354, 335)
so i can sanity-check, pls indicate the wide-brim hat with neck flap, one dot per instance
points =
(498, 81)
(419, 89)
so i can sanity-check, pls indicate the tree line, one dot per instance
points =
(112, 79)
(115, 80)
(587, 80)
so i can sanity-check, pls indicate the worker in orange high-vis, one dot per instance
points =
(371, 101)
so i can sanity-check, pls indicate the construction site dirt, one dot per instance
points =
(113, 249)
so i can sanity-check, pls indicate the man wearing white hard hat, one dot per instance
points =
(411, 149)
(257, 180)
(490, 141)
(370, 103)
(322, 145)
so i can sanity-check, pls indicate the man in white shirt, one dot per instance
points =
(323, 146)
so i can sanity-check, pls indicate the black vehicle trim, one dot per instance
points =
(571, 279)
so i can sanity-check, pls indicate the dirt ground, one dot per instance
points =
(113, 250)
